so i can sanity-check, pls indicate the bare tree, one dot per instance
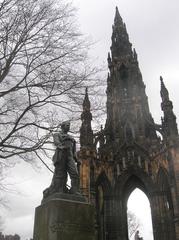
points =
(42, 71)
(133, 223)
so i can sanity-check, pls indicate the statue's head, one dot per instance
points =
(65, 126)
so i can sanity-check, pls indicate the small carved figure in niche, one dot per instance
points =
(64, 161)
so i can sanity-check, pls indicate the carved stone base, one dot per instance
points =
(59, 219)
(65, 196)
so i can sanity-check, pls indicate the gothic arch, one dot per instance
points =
(104, 182)
(131, 184)
(165, 205)
(103, 203)
(129, 132)
(131, 179)
(164, 186)
(123, 72)
(126, 183)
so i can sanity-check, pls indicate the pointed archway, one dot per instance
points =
(139, 215)
(126, 184)
(159, 196)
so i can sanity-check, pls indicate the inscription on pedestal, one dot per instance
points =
(65, 227)
(64, 220)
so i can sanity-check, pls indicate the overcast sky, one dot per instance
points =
(152, 26)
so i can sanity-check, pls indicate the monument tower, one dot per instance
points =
(128, 153)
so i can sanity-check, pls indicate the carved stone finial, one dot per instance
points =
(169, 124)
(86, 102)
(161, 79)
(163, 92)
(117, 16)
(86, 133)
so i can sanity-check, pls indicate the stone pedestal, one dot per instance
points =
(61, 219)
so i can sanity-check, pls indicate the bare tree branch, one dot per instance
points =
(43, 71)
(133, 224)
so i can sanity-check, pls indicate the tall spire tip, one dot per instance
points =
(117, 15)
(161, 79)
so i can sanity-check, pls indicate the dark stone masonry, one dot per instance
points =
(60, 219)
(130, 151)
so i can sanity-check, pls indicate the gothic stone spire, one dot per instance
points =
(169, 125)
(127, 104)
(164, 92)
(86, 133)
(120, 40)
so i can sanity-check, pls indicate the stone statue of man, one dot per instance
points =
(64, 161)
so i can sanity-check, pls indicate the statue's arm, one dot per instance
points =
(57, 140)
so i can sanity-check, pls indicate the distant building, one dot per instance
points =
(9, 237)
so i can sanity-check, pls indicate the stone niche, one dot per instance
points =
(59, 219)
